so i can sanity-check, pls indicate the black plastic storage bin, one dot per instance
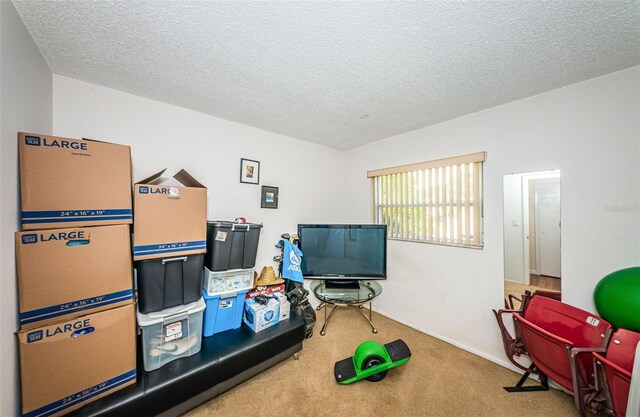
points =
(231, 245)
(169, 282)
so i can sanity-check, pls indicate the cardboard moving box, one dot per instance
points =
(169, 220)
(73, 182)
(66, 365)
(62, 273)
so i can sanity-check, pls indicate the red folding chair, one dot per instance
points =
(514, 345)
(560, 339)
(617, 365)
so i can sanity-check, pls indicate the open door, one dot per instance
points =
(547, 202)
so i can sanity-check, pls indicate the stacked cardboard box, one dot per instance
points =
(169, 242)
(170, 220)
(74, 272)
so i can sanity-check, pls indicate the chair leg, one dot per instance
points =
(519, 387)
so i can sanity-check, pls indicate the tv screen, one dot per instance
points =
(343, 251)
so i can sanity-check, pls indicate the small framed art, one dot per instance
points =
(249, 171)
(269, 197)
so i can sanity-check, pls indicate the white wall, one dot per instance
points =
(25, 105)
(590, 131)
(513, 242)
(165, 136)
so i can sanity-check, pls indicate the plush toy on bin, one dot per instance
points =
(617, 298)
(371, 361)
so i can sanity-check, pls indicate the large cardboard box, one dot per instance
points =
(169, 220)
(73, 182)
(63, 273)
(66, 365)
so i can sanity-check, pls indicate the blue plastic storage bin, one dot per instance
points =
(223, 312)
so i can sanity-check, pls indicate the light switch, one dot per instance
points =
(516, 222)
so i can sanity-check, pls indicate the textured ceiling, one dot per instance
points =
(336, 73)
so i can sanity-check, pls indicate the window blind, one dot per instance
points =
(437, 201)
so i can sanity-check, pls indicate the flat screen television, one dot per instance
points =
(343, 252)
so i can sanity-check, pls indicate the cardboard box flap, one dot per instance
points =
(152, 178)
(187, 180)
(183, 177)
(102, 141)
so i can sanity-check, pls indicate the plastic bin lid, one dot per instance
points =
(230, 294)
(219, 223)
(156, 317)
(229, 272)
(228, 224)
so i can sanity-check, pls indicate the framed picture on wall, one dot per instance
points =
(269, 197)
(249, 171)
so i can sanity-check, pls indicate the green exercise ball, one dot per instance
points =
(617, 298)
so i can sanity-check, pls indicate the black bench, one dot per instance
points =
(226, 360)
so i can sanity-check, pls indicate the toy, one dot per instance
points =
(371, 361)
(617, 298)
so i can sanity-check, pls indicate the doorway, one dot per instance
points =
(532, 232)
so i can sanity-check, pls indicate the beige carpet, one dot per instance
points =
(439, 380)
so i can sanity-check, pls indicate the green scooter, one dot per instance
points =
(371, 361)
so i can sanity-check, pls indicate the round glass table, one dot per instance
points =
(337, 295)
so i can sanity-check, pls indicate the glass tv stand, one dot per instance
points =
(354, 296)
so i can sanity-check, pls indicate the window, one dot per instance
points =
(434, 201)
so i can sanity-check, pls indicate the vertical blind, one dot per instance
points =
(436, 201)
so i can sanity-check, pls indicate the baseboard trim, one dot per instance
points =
(501, 362)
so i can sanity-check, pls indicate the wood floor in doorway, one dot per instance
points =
(544, 281)
(538, 282)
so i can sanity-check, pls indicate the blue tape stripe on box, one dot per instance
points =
(169, 247)
(76, 219)
(75, 213)
(74, 306)
(160, 252)
(83, 395)
(77, 310)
